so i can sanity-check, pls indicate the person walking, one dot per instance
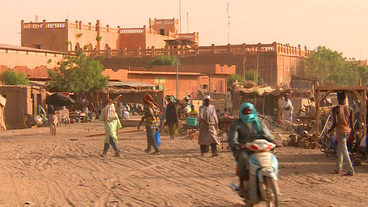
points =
(208, 125)
(343, 122)
(172, 117)
(151, 120)
(112, 124)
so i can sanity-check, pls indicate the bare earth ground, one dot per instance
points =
(65, 170)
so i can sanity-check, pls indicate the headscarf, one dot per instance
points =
(171, 98)
(149, 100)
(250, 118)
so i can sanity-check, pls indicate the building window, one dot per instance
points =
(204, 86)
(161, 87)
(162, 32)
(160, 80)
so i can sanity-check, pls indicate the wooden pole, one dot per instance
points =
(255, 100)
(102, 134)
(317, 112)
(364, 109)
(263, 103)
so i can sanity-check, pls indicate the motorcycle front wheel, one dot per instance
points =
(269, 191)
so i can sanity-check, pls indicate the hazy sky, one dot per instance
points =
(337, 24)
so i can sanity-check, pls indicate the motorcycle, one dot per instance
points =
(263, 170)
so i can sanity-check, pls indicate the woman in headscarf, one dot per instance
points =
(151, 120)
(172, 117)
(244, 130)
(112, 124)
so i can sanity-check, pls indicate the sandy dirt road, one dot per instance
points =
(37, 169)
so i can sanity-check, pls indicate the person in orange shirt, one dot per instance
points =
(343, 122)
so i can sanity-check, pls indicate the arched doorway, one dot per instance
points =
(77, 46)
(89, 47)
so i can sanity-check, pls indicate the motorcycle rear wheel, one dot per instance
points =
(183, 131)
(269, 191)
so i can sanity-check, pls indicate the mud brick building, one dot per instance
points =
(136, 47)
(210, 78)
(70, 36)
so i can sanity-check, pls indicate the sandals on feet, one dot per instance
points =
(336, 172)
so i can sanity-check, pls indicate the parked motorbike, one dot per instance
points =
(263, 170)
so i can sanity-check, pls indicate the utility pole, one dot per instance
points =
(244, 59)
(187, 22)
(228, 23)
(177, 57)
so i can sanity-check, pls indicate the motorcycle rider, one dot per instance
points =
(244, 130)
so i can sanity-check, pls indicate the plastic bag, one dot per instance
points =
(157, 138)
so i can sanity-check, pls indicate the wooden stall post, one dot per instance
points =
(317, 110)
(263, 103)
(364, 109)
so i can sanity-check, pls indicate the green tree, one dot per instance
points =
(11, 77)
(331, 68)
(78, 73)
(233, 77)
(164, 60)
(252, 75)
(363, 74)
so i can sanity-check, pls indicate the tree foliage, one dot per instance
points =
(78, 73)
(251, 75)
(331, 68)
(11, 77)
(164, 60)
(233, 77)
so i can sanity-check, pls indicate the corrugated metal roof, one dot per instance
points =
(37, 83)
(129, 83)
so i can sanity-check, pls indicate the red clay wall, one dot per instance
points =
(186, 82)
(88, 36)
(218, 83)
(121, 74)
(155, 40)
(270, 65)
(171, 25)
(49, 36)
(287, 66)
(206, 69)
(31, 60)
(132, 41)
(17, 98)
(39, 72)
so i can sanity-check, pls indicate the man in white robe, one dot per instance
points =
(287, 109)
(208, 125)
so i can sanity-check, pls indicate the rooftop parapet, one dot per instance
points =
(70, 25)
